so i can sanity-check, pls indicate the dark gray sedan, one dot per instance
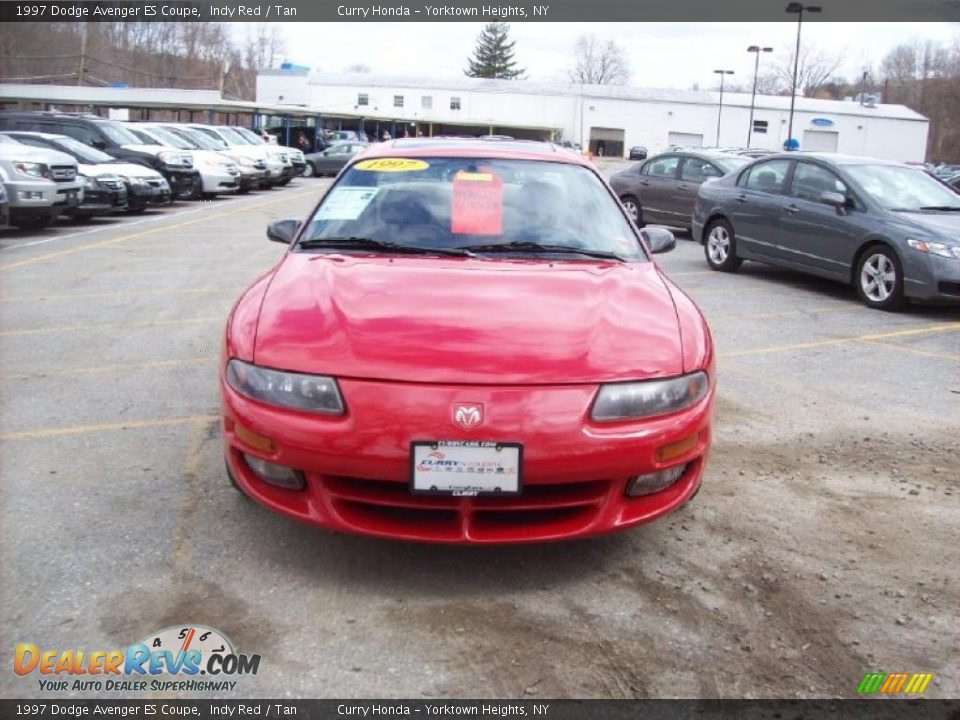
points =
(331, 160)
(663, 189)
(889, 229)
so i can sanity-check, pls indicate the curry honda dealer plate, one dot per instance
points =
(465, 467)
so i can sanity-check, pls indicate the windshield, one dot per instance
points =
(446, 203)
(202, 139)
(250, 136)
(119, 134)
(903, 188)
(231, 136)
(168, 138)
(84, 153)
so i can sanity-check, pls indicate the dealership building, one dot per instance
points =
(607, 119)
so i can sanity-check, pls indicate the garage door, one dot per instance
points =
(685, 139)
(606, 141)
(819, 141)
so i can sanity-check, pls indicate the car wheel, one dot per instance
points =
(720, 247)
(632, 206)
(879, 279)
(308, 171)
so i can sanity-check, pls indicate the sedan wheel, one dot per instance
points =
(879, 279)
(720, 247)
(632, 207)
(308, 171)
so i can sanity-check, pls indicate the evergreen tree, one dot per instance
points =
(493, 56)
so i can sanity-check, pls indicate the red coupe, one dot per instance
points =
(467, 341)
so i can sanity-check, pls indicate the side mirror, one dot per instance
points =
(282, 231)
(99, 144)
(834, 199)
(659, 240)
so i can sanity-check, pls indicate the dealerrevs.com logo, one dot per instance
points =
(181, 658)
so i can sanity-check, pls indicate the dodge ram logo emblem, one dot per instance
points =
(467, 415)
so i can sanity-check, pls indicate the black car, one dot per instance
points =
(113, 138)
(638, 152)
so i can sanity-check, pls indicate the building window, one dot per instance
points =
(760, 126)
(426, 102)
(398, 100)
(363, 99)
(454, 103)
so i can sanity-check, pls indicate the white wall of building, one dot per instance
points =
(647, 117)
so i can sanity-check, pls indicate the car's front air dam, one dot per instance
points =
(357, 466)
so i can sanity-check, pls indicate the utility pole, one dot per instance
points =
(83, 53)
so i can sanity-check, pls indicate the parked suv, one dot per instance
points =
(113, 138)
(39, 184)
(279, 167)
(253, 171)
(296, 156)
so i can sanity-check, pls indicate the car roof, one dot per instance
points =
(830, 158)
(41, 135)
(474, 148)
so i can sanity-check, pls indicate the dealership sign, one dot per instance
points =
(822, 122)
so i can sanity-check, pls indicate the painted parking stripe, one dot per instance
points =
(929, 329)
(105, 427)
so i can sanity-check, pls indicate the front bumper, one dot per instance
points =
(299, 167)
(357, 466)
(251, 179)
(931, 277)
(101, 201)
(219, 182)
(183, 183)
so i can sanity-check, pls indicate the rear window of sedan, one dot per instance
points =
(461, 202)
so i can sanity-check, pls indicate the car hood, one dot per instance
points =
(29, 153)
(118, 168)
(946, 224)
(454, 320)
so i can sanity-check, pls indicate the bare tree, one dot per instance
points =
(816, 67)
(598, 63)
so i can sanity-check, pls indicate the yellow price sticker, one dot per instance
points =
(392, 165)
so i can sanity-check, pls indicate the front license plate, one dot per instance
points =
(465, 467)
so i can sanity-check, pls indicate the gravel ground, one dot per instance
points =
(818, 549)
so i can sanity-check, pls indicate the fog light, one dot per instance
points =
(31, 195)
(654, 482)
(279, 475)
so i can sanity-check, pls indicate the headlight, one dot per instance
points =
(175, 158)
(310, 393)
(86, 181)
(246, 162)
(629, 401)
(935, 248)
(32, 169)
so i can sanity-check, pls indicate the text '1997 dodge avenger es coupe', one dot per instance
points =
(467, 341)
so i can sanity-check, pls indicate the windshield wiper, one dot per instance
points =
(364, 243)
(951, 208)
(535, 247)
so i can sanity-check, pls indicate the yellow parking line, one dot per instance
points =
(915, 351)
(121, 293)
(947, 327)
(152, 231)
(110, 326)
(104, 427)
(114, 368)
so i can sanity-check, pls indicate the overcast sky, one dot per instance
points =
(673, 55)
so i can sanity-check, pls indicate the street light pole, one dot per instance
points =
(721, 73)
(756, 49)
(797, 9)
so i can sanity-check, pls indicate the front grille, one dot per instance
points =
(63, 173)
(540, 511)
(112, 184)
(154, 182)
(260, 165)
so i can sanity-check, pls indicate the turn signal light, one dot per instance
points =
(254, 440)
(675, 450)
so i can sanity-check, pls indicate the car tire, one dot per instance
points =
(879, 279)
(720, 247)
(632, 206)
(308, 171)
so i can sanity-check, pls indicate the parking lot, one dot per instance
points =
(818, 550)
